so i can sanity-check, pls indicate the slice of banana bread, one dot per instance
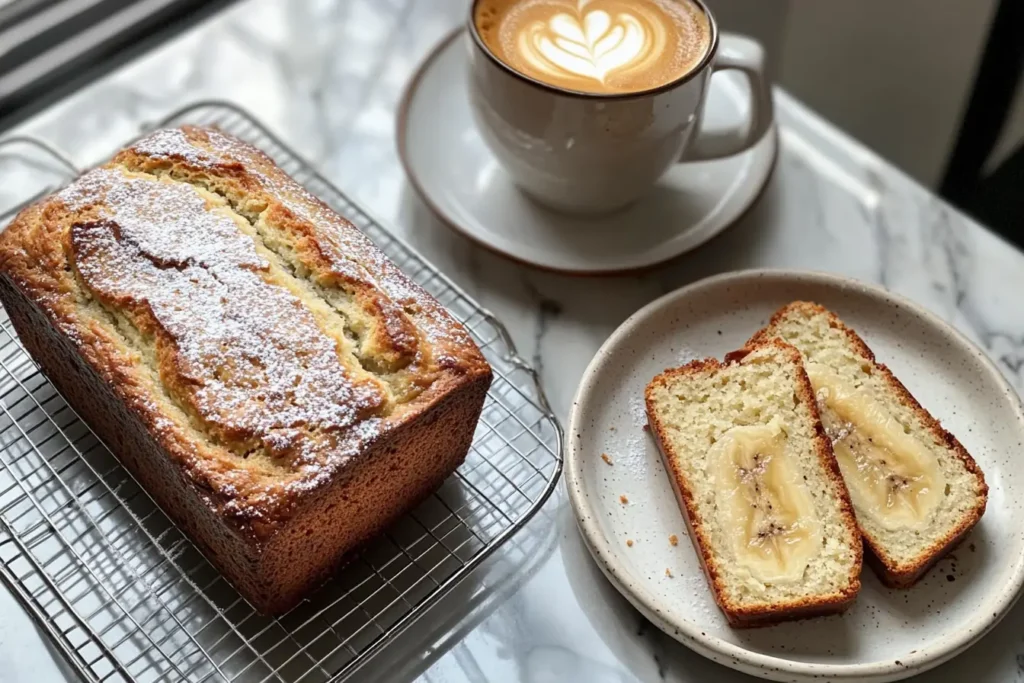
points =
(754, 473)
(915, 489)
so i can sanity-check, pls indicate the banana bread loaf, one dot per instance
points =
(275, 383)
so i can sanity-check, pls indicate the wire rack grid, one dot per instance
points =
(125, 595)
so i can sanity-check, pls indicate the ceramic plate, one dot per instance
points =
(888, 634)
(457, 176)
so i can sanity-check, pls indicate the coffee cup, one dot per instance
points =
(586, 103)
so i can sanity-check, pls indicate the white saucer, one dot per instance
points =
(887, 634)
(456, 175)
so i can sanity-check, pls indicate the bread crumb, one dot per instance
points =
(607, 460)
(623, 499)
(668, 573)
(629, 542)
(647, 427)
(673, 539)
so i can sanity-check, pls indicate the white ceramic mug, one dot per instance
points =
(592, 153)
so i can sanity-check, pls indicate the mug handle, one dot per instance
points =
(746, 55)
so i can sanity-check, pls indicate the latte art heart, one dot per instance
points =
(600, 46)
(592, 48)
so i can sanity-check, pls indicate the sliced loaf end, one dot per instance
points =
(704, 403)
(899, 554)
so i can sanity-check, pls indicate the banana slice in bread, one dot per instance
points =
(766, 510)
(754, 472)
(915, 489)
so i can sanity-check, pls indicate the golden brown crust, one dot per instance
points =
(207, 355)
(740, 616)
(891, 572)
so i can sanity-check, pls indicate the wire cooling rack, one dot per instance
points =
(125, 596)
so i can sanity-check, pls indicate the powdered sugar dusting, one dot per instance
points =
(351, 252)
(251, 360)
(686, 355)
(171, 143)
(637, 411)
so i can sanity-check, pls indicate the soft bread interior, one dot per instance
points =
(693, 407)
(809, 328)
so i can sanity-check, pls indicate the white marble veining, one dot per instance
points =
(327, 76)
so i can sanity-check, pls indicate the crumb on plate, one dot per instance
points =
(606, 458)
(629, 542)
(668, 573)
(623, 499)
(673, 539)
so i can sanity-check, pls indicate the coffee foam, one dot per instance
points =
(597, 46)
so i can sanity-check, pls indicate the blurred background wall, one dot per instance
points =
(895, 74)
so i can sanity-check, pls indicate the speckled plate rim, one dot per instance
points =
(402, 119)
(689, 633)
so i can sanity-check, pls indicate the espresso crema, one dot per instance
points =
(596, 46)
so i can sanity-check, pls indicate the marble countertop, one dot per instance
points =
(327, 77)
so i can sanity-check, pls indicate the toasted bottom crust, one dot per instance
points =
(393, 476)
(891, 572)
(740, 617)
(907, 578)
